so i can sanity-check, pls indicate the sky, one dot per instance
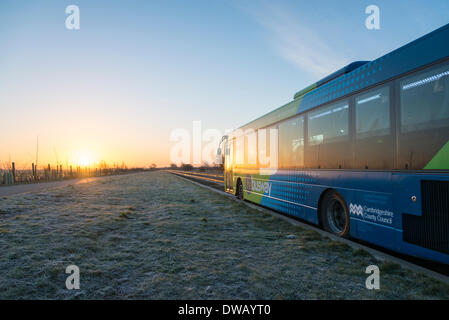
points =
(135, 71)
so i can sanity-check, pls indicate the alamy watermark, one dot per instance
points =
(372, 22)
(73, 280)
(373, 280)
(72, 21)
(246, 147)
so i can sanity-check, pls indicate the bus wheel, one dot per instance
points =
(240, 190)
(335, 215)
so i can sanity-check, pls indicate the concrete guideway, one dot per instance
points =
(203, 176)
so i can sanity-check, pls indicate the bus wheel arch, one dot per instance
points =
(239, 189)
(320, 201)
(333, 213)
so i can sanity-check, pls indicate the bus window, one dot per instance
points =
(374, 146)
(424, 118)
(373, 113)
(251, 148)
(291, 143)
(328, 124)
(267, 142)
(240, 151)
(425, 100)
(328, 137)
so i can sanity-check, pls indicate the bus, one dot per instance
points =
(362, 153)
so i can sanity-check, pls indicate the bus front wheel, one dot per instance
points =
(335, 215)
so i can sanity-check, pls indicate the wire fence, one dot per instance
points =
(54, 173)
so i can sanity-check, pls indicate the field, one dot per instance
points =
(155, 236)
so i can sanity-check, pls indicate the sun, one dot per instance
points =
(84, 160)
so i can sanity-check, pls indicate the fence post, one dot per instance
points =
(8, 178)
(14, 172)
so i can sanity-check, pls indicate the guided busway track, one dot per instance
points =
(212, 180)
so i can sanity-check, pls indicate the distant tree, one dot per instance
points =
(205, 166)
(173, 166)
(186, 167)
(153, 166)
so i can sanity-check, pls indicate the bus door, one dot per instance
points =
(229, 164)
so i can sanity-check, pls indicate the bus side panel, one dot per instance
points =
(286, 192)
(289, 197)
(368, 196)
(405, 187)
(375, 233)
(372, 218)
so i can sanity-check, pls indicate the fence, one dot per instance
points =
(49, 173)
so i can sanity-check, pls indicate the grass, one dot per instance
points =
(390, 267)
(435, 288)
(361, 253)
(155, 236)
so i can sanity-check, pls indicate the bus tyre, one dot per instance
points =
(335, 214)
(240, 190)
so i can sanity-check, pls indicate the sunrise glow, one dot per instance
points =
(84, 160)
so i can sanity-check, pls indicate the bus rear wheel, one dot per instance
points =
(240, 190)
(335, 215)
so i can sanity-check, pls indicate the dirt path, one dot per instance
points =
(38, 187)
(155, 236)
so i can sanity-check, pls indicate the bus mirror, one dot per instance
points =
(218, 159)
(219, 152)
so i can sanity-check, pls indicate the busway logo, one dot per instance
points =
(257, 186)
(356, 209)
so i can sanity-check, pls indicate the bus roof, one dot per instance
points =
(361, 75)
(344, 70)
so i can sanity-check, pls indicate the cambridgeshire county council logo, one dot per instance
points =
(372, 214)
(356, 209)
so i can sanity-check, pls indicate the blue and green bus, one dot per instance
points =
(364, 152)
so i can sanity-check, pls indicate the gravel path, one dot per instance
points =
(155, 236)
(39, 187)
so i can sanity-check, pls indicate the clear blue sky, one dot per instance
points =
(137, 69)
